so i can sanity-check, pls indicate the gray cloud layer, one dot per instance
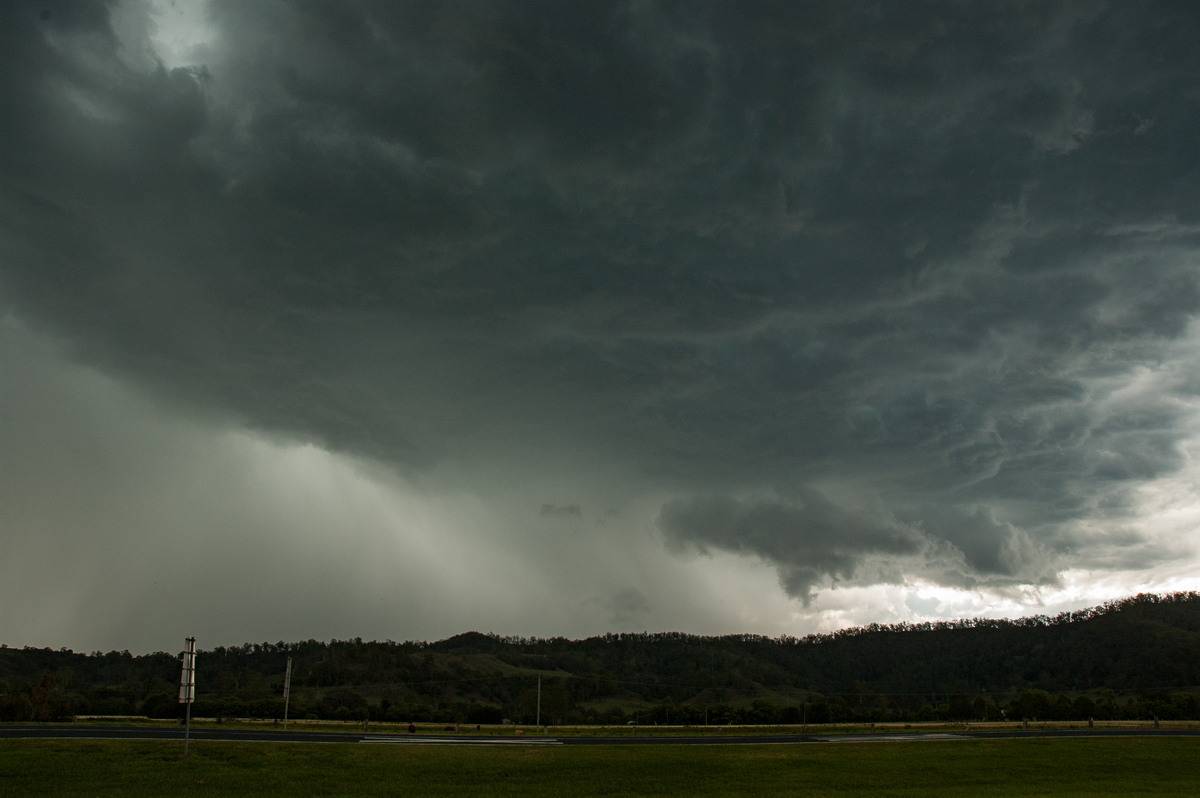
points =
(871, 292)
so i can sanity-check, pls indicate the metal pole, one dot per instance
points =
(538, 723)
(287, 691)
(187, 729)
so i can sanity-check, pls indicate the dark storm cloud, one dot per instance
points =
(560, 510)
(916, 253)
(809, 537)
(992, 552)
(626, 607)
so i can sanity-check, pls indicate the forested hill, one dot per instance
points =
(1136, 657)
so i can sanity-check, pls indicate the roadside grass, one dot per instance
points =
(625, 730)
(1041, 767)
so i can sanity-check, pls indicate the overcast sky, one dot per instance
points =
(398, 320)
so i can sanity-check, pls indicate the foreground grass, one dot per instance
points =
(1060, 767)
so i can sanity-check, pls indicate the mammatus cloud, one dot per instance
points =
(881, 298)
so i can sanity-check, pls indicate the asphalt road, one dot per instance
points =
(76, 731)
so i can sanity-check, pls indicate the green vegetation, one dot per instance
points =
(1138, 658)
(356, 728)
(1075, 767)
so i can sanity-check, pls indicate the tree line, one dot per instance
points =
(1138, 657)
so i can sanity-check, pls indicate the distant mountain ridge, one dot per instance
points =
(1139, 656)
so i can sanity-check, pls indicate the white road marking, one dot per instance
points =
(410, 740)
(884, 738)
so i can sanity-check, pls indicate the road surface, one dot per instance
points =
(273, 735)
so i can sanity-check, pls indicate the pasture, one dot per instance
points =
(1042, 767)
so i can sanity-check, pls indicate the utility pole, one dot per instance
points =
(287, 691)
(538, 722)
(187, 687)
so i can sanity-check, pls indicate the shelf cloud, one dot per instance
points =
(402, 319)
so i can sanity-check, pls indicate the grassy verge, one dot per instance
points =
(1070, 767)
(509, 730)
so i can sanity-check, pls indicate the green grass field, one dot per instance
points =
(1070, 767)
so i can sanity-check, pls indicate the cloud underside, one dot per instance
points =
(814, 542)
(871, 294)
